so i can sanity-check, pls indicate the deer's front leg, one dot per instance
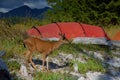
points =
(26, 54)
(30, 60)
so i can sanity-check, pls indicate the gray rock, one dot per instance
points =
(2, 53)
(66, 56)
(116, 52)
(23, 71)
(62, 59)
(115, 62)
(98, 76)
(98, 56)
(76, 74)
(81, 78)
(4, 72)
(75, 67)
(3, 66)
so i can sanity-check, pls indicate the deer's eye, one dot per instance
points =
(63, 38)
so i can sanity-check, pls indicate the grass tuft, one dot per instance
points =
(52, 76)
(89, 65)
(13, 65)
(77, 48)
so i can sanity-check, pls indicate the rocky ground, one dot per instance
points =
(60, 62)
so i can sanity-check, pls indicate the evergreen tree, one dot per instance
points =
(101, 12)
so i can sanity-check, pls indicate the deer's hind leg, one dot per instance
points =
(47, 60)
(43, 61)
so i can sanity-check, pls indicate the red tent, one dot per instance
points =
(73, 30)
(116, 37)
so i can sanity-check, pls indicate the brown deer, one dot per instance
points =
(44, 47)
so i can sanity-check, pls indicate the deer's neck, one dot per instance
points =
(57, 44)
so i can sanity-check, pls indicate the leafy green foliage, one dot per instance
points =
(100, 12)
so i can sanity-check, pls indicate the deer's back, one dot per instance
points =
(40, 45)
(44, 46)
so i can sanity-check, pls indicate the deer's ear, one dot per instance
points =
(64, 37)
(64, 34)
(60, 34)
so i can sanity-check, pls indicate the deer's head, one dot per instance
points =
(64, 39)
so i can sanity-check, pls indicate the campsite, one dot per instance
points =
(54, 40)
